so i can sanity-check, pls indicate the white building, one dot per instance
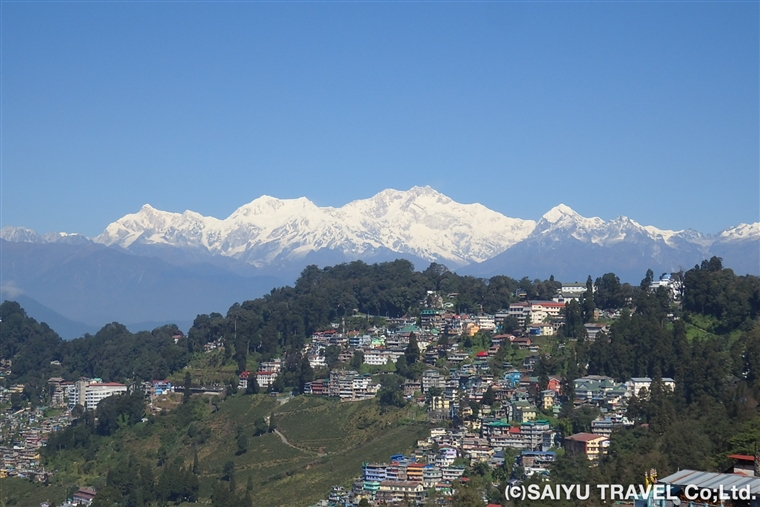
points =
(375, 358)
(574, 288)
(535, 312)
(96, 392)
(486, 322)
(636, 384)
(265, 378)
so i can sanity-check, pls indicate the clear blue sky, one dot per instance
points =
(644, 109)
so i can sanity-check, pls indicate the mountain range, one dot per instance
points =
(160, 266)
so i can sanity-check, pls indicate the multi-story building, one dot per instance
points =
(88, 393)
(533, 433)
(375, 358)
(535, 312)
(96, 392)
(593, 446)
(636, 384)
(265, 378)
(432, 379)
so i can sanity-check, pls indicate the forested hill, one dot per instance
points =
(272, 325)
(113, 353)
(280, 322)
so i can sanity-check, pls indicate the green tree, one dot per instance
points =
(412, 352)
(242, 444)
(252, 387)
(186, 392)
(391, 392)
(357, 360)
(489, 397)
(261, 426)
(228, 471)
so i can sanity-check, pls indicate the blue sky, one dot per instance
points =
(644, 109)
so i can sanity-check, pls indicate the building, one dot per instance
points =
(593, 446)
(84, 496)
(399, 491)
(535, 312)
(636, 384)
(265, 378)
(96, 392)
(432, 379)
(89, 392)
(697, 482)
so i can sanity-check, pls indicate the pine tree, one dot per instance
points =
(187, 393)
(412, 351)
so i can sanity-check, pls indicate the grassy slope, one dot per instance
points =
(24, 493)
(328, 441)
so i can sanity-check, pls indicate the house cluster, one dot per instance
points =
(265, 376)
(612, 400)
(438, 462)
(22, 435)
(84, 392)
(346, 385)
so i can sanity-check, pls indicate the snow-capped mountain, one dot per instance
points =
(162, 266)
(280, 236)
(24, 235)
(420, 222)
(567, 244)
(562, 222)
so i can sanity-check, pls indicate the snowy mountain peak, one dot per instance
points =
(420, 222)
(19, 235)
(741, 232)
(559, 212)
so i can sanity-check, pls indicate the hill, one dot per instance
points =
(318, 443)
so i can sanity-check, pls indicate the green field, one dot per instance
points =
(326, 442)
(22, 493)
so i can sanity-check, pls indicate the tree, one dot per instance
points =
(252, 387)
(573, 320)
(242, 444)
(228, 471)
(196, 467)
(261, 426)
(412, 351)
(488, 397)
(466, 495)
(587, 301)
(646, 283)
(357, 360)
(391, 393)
(331, 356)
(187, 393)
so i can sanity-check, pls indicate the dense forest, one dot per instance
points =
(271, 326)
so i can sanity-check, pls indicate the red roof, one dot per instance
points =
(110, 384)
(584, 437)
(742, 457)
(482, 354)
(513, 430)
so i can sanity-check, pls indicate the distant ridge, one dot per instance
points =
(66, 328)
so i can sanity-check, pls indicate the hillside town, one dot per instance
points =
(480, 378)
